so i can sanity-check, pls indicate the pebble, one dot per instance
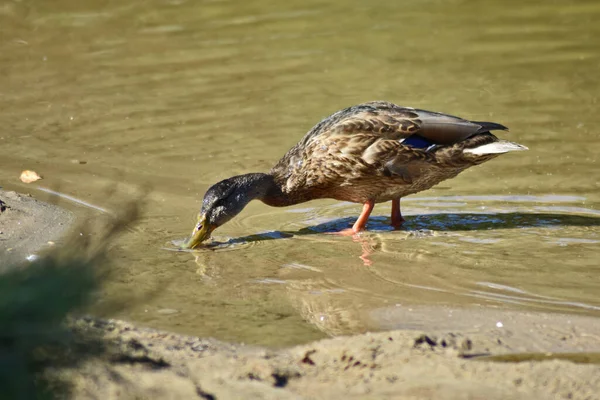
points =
(29, 176)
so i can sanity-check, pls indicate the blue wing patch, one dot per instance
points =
(417, 141)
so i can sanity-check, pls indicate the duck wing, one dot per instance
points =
(390, 121)
(376, 135)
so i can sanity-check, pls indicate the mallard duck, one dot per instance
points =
(368, 153)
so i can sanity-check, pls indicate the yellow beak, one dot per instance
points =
(200, 233)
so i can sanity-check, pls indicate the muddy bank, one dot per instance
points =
(28, 225)
(144, 363)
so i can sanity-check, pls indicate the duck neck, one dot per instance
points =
(262, 187)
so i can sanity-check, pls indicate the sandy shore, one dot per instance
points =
(27, 226)
(143, 363)
(530, 356)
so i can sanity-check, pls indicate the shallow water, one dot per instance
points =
(179, 94)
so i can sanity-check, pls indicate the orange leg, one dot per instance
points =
(397, 219)
(361, 222)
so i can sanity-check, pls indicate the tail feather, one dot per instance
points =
(499, 147)
(489, 126)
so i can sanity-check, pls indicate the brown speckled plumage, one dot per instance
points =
(369, 153)
(357, 155)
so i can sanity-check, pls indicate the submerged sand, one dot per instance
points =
(529, 355)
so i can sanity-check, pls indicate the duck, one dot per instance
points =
(369, 153)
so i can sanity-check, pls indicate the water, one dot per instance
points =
(180, 94)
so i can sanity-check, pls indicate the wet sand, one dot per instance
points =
(144, 363)
(27, 226)
(558, 355)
